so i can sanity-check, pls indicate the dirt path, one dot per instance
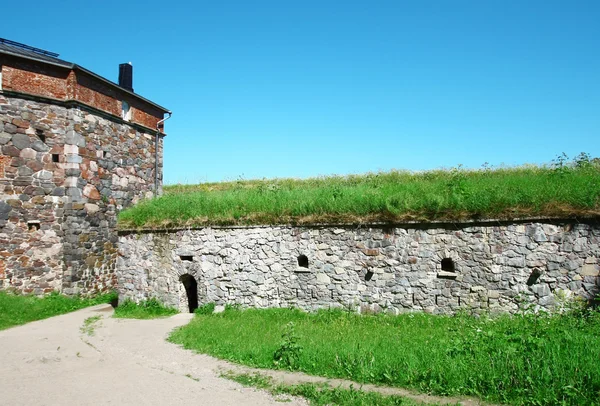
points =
(125, 362)
(128, 362)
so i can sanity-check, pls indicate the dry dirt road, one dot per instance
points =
(124, 362)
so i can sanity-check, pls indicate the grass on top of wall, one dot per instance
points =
(562, 189)
(526, 359)
(20, 309)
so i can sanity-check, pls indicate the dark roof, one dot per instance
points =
(35, 54)
(25, 51)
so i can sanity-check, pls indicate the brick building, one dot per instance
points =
(76, 148)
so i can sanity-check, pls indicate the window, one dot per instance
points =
(447, 265)
(303, 261)
(125, 111)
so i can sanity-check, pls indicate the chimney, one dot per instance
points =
(126, 76)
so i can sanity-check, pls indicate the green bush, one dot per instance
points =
(146, 309)
(207, 308)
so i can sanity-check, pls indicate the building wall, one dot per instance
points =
(62, 84)
(65, 173)
(496, 266)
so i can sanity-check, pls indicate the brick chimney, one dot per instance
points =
(126, 76)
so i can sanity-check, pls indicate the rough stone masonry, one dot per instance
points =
(64, 173)
(75, 148)
(419, 267)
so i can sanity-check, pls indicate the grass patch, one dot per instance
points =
(147, 309)
(322, 394)
(526, 359)
(20, 309)
(562, 189)
(89, 325)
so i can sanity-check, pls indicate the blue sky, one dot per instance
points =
(309, 88)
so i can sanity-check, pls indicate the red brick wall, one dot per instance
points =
(94, 93)
(63, 84)
(47, 81)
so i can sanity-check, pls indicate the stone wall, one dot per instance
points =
(433, 268)
(64, 175)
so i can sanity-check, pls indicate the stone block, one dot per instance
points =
(74, 138)
(39, 146)
(43, 175)
(590, 270)
(21, 141)
(11, 150)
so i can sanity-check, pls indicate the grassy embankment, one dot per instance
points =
(20, 309)
(525, 359)
(562, 189)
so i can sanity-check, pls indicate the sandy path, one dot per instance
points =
(125, 362)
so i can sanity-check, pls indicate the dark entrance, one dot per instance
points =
(191, 289)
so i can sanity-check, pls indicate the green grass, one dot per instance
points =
(89, 325)
(147, 309)
(525, 359)
(563, 189)
(322, 394)
(20, 309)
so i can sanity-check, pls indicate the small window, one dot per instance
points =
(303, 261)
(55, 158)
(41, 135)
(447, 265)
(533, 277)
(369, 275)
(126, 111)
(33, 225)
(186, 257)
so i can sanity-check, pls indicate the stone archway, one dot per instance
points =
(191, 290)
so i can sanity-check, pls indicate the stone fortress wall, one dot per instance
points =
(435, 268)
(65, 172)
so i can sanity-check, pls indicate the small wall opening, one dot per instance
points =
(55, 158)
(191, 290)
(447, 265)
(303, 261)
(186, 257)
(368, 276)
(41, 135)
(33, 225)
(534, 276)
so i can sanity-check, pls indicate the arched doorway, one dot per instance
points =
(191, 290)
